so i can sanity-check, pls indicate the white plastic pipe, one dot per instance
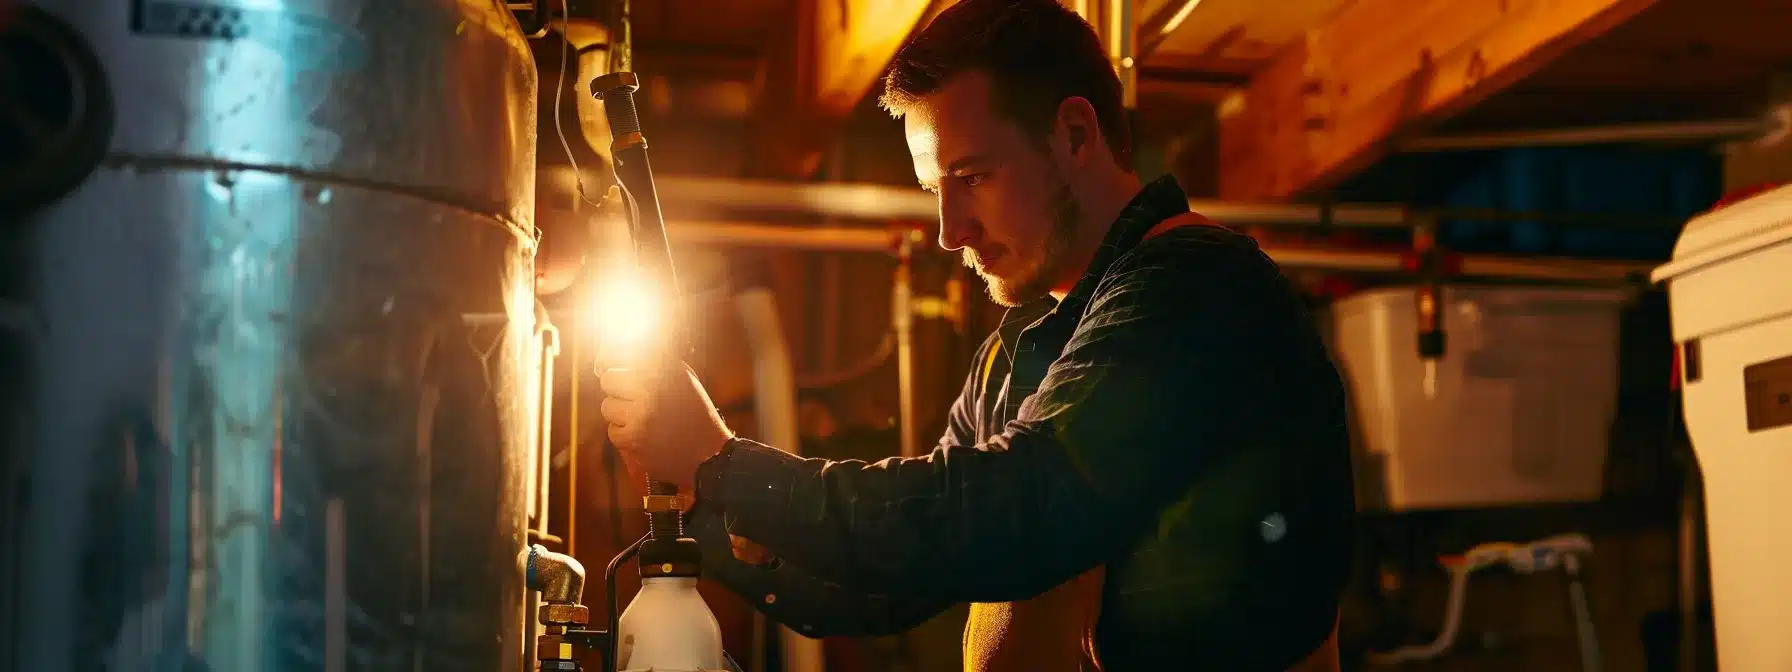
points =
(774, 402)
(1546, 554)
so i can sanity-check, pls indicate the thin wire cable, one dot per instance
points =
(578, 177)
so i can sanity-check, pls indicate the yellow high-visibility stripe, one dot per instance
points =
(989, 364)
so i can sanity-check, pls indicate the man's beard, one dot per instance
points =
(1036, 280)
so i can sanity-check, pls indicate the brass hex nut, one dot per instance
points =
(547, 647)
(564, 613)
(654, 503)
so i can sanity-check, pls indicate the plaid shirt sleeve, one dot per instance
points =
(1163, 375)
(807, 604)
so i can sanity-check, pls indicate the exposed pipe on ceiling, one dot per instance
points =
(1116, 23)
(834, 199)
(789, 236)
(731, 198)
(1161, 23)
(892, 203)
(1721, 130)
(913, 212)
(1123, 48)
(888, 241)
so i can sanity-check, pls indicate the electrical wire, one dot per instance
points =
(578, 177)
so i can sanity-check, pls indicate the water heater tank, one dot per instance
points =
(266, 333)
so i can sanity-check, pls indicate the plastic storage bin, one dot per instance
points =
(1522, 406)
(1730, 293)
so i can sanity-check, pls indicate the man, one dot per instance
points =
(1148, 466)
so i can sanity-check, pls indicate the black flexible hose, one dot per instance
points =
(614, 624)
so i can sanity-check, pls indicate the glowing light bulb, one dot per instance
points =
(626, 313)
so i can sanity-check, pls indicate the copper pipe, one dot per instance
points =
(857, 239)
(1123, 42)
(1573, 270)
(1360, 261)
(832, 199)
(785, 236)
(1353, 216)
(1719, 130)
(890, 203)
(575, 367)
(544, 438)
(1157, 27)
(880, 202)
(1471, 265)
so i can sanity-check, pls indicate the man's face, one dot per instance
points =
(1003, 199)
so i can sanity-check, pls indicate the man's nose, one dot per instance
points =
(958, 227)
(954, 237)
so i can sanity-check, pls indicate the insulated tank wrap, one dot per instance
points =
(265, 367)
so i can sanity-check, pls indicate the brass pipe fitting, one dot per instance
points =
(560, 578)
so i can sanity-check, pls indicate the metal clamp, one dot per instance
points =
(665, 503)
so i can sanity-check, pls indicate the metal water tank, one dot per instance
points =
(266, 330)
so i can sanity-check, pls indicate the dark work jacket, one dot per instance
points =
(1176, 419)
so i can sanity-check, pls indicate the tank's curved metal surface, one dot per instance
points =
(435, 97)
(250, 423)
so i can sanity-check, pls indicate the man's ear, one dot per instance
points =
(1081, 129)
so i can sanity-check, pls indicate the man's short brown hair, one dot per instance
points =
(1036, 54)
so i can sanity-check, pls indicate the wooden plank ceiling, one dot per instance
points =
(1309, 90)
(1223, 42)
(1678, 60)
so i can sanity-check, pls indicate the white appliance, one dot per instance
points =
(1730, 293)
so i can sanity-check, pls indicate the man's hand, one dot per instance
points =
(663, 425)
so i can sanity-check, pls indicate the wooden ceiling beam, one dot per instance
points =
(1330, 104)
(821, 70)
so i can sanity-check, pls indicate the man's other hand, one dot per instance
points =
(662, 425)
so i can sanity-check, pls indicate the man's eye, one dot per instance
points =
(973, 180)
